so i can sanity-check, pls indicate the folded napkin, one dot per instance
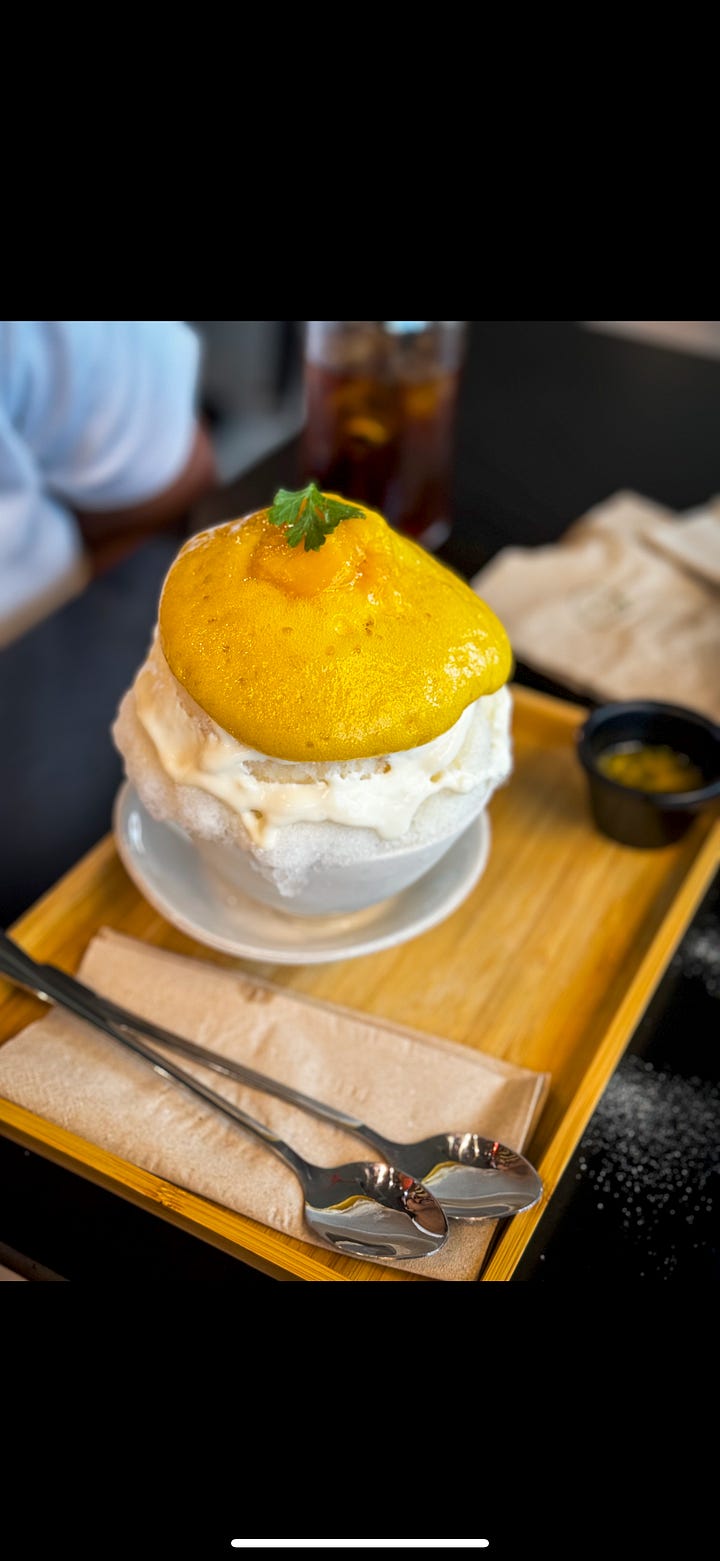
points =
(405, 1083)
(625, 606)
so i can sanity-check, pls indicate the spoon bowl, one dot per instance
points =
(374, 1211)
(472, 1178)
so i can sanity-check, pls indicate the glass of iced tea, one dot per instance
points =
(381, 397)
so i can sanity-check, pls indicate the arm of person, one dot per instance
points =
(197, 477)
(108, 410)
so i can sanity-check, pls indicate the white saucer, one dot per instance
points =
(162, 863)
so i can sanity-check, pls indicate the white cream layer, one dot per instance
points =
(194, 751)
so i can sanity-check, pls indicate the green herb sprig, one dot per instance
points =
(309, 515)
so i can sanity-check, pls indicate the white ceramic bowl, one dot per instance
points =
(329, 890)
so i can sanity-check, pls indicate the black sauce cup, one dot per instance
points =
(648, 818)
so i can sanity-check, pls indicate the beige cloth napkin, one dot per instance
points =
(405, 1083)
(625, 606)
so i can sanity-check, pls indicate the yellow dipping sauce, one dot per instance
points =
(368, 645)
(649, 768)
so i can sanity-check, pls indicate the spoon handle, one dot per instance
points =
(25, 971)
(228, 1067)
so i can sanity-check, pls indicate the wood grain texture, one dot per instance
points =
(549, 963)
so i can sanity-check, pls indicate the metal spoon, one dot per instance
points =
(368, 1210)
(473, 1178)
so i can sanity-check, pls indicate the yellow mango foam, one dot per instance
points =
(367, 646)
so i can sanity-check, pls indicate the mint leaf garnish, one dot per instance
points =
(309, 515)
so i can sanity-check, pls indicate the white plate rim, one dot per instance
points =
(477, 834)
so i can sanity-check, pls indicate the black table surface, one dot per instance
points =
(552, 419)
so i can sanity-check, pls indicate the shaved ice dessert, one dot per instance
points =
(324, 707)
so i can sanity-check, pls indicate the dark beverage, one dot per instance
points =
(381, 399)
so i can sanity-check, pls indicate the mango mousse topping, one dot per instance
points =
(365, 646)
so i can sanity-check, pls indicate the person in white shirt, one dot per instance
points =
(99, 437)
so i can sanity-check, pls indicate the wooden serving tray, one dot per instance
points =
(550, 963)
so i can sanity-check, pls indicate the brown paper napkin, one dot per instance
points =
(405, 1083)
(625, 606)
